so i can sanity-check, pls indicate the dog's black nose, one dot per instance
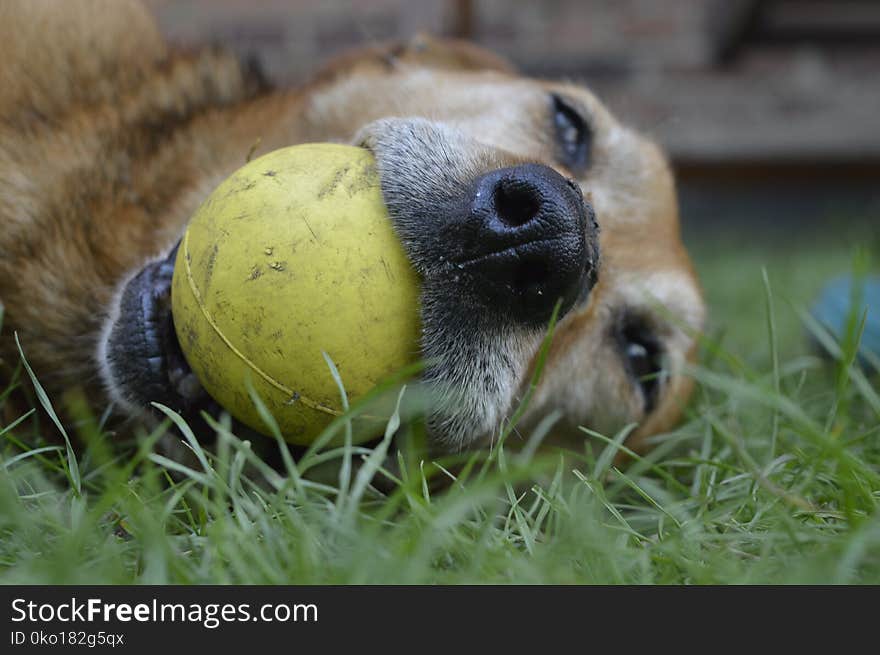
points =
(530, 241)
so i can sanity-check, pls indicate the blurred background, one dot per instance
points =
(769, 109)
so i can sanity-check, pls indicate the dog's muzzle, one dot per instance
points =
(528, 240)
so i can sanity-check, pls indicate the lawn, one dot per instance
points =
(774, 477)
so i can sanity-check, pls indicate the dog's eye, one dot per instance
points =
(573, 136)
(642, 357)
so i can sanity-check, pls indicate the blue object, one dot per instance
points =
(834, 307)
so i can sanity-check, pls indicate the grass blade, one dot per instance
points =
(71, 466)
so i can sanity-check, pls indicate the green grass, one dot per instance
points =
(774, 477)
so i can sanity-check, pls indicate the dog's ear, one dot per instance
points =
(421, 51)
(449, 54)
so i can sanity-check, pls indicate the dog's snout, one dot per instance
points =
(530, 241)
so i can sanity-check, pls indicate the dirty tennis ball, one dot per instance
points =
(291, 257)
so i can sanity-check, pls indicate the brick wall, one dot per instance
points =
(782, 103)
(556, 36)
(652, 61)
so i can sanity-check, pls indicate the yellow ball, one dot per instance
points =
(292, 256)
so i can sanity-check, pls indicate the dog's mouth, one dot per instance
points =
(522, 269)
(516, 250)
(526, 277)
(143, 358)
(522, 246)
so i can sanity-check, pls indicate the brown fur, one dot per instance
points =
(109, 139)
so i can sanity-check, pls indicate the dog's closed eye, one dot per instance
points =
(573, 136)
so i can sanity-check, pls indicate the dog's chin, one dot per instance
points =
(476, 360)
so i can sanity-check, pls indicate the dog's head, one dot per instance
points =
(513, 197)
(496, 184)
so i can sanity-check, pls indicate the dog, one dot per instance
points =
(512, 197)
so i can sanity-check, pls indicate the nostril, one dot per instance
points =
(516, 202)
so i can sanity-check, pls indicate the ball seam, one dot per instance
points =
(308, 402)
